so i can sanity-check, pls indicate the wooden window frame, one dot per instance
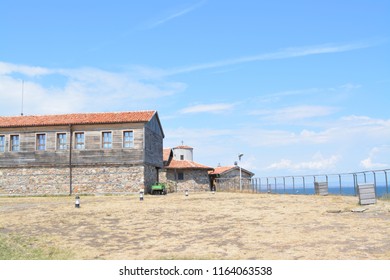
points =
(11, 143)
(124, 142)
(76, 143)
(58, 142)
(2, 147)
(38, 145)
(103, 142)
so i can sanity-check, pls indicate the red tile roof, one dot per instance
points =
(184, 147)
(166, 154)
(83, 118)
(186, 164)
(222, 169)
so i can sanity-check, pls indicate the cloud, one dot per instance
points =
(32, 71)
(349, 129)
(378, 158)
(281, 54)
(81, 89)
(336, 91)
(173, 15)
(318, 164)
(294, 113)
(208, 108)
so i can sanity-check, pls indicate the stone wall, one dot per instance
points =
(194, 180)
(150, 175)
(85, 180)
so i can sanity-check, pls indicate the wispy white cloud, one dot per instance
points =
(81, 89)
(352, 129)
(173, 15)
(337, 90)
(32, 71)
(379, 157)
(281, 54)
(318, 164)
(208, 108)
(294, 113)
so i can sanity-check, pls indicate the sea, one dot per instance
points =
(347, 190)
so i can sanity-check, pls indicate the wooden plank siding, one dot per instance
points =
(93, 153)
(153, 143)
(366, 194)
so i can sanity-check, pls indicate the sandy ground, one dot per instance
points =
(204, 226)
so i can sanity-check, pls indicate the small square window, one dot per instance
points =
(79, 141)
(128, 139)
(61, 141)
(2, 143)
(15, 143)
(180, 176)
(41, 142)
(107, 140)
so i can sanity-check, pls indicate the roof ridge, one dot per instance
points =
(79, 113)
(77, 118)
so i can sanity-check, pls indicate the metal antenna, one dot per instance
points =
(22, 97)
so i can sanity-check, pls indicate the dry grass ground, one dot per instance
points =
(201, 226)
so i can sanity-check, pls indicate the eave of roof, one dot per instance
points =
(225, 169)
(222, 169)
(186, 164)
(166, 154)
(77, 119)
(183, 147)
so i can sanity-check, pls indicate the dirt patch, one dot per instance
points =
(203, 226)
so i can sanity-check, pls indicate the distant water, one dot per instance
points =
(380, 190)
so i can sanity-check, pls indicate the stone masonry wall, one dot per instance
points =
(150, 175)
(85, 180)
(194, 180)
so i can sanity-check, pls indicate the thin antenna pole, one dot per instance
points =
(22, 97)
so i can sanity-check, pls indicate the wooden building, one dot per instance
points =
(83, 153)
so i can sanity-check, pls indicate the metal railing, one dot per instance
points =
(339, 183)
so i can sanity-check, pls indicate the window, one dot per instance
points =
(128, 139)
(61, 141)
(15, 143)
(41, 142)
(107, 140)
(180, 176)
(79, 140)
(181, 157)
(2, 143)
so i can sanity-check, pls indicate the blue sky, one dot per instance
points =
(298, 87)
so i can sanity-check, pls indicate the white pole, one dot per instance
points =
(239, 159)
(240, 180)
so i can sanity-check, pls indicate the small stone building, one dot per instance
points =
(80, 153)
(181, 173)
(228, 178)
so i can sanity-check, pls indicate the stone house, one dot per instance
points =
(181, 173)
(80, 153)
(228, 177)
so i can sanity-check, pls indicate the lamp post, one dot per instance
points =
(239, 159)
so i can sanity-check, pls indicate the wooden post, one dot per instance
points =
(366, 194)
